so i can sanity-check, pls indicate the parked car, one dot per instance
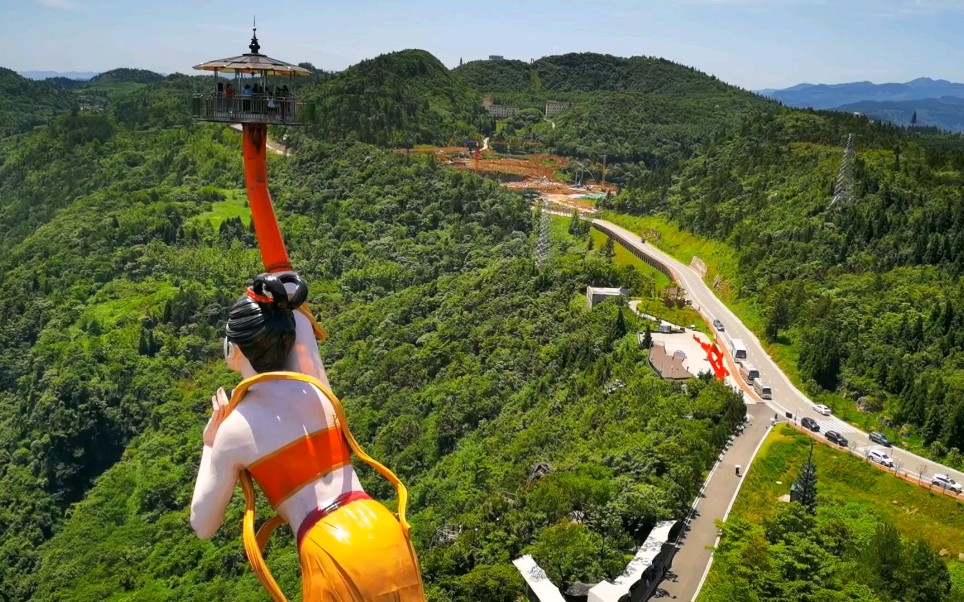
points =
(946, 482)
(822, 409)
(880, 458)
(880, 439)
(837, 438)
(718, 325)
(810, 423)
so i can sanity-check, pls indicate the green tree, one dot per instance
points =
(609, 249)
(647, 342)
(778, 316)
(882, 557)
(821, 355)
(570, 552)
(923, 576)
(619, 329)
(499, 583)
(577, 225)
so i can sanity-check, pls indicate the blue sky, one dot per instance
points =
(750, 43)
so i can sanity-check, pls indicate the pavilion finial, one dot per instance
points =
(254, 46)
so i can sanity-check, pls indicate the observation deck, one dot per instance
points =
(254, 94)
(257, 108)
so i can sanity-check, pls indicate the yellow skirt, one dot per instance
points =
(359, 554)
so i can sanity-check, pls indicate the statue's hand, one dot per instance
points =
(219, 403)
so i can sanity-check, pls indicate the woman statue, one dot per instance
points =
(286, 435)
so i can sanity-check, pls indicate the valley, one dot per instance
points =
(525, 420)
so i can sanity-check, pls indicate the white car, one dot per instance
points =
(880, 458)
(945, 482)
(822, 409)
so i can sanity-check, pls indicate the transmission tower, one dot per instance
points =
(542, 246)
(843, 190)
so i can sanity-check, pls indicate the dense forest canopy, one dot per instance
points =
(127, 239)
(635, 111)
(397, 99)
(26, 103)
(125, 75)
(588, 72)
(869, 291)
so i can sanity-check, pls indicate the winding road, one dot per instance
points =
(786, 397)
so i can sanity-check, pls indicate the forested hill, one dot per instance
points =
(401, 98)
(506, 75)
(867, 295)
(138, 76)
(636, 111)
(476, 376)
(25, 103)
(588, 72)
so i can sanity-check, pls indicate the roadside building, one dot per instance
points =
(669, 367)
(597, 294)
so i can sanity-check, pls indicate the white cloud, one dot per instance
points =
(57, 3)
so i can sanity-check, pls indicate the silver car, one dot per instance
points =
(880, 458)
(945, 482)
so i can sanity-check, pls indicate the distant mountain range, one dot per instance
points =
(937, 102)
(831, 96)
(79, 75)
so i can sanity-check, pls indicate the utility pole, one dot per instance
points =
(542, 245)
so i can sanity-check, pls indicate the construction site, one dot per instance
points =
(538, 173)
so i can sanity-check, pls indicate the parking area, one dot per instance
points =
(689, 350)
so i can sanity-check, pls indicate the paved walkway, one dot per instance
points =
(692, 560)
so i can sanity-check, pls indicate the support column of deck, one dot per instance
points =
(273, 252)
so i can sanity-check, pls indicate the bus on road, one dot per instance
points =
(762, 389)
(738, 349)
(748, 372)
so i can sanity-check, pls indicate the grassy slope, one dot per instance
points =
(850, 488)
(235, 204)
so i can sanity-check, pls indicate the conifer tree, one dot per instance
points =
(619, 326)
(142, 346)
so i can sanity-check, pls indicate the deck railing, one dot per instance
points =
(256, 108)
